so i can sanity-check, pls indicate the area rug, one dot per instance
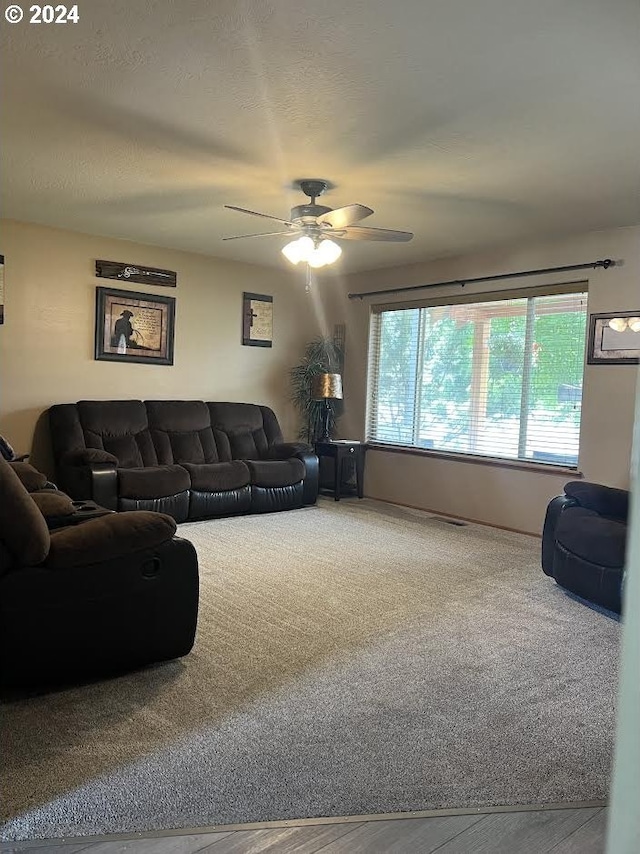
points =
(351, 658)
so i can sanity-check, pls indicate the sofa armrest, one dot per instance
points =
(30, 477)
(108, 538)
(305, 453)
(605, 500)
(285, 450)
(87, 456)
(91, 481)
(555, 509)
(53, 504)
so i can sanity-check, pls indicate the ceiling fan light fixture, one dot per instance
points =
(315, 254)
(298, 250)
(329, 251)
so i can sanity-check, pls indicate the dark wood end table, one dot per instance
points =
(340, 450)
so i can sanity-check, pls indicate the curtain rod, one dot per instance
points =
(606, 263)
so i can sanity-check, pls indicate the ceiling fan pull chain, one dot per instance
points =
(307, 286)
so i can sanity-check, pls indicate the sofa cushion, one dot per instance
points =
(178, 416)
(119, 427)
(113, 417)
(23, 529)
(274, 473)
(592, 537)
(30, 478)
(243, 424)
(218, 477)
(108, 538)
(152, 482)
(181, 431)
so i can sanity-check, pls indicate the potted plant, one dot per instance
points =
(321, 356)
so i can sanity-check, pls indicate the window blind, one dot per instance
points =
(499, 378)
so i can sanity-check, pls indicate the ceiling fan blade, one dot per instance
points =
(342, 217)
(358, 232)
(261, 234)
(255, 213)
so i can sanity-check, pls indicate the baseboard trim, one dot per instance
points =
(34, 844)
(453, 516)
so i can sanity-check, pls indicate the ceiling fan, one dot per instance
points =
(316, 226)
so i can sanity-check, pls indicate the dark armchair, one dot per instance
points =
(584, 541)
(108, 595)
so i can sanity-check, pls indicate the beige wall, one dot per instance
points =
(46, 354)
(47, 340)
(500, 496)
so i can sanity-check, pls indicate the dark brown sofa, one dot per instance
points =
(110, 594)
(190, 459)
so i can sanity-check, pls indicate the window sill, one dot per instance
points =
(496, 462)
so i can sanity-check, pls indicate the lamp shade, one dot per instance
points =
(326, 252)
(298, 250)
(326, 386)
(316, 253)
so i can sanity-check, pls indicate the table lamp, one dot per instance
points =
(326, 387)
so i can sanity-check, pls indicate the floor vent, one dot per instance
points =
(458, 522)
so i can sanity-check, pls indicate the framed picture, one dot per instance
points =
(133, 327)
(136, 273)
(614, 338)
(1, 288)
(257, 320)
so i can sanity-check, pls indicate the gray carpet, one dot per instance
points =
(351, 658)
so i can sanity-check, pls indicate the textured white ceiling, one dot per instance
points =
(470, 123)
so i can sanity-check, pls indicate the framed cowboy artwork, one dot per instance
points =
(134, 327)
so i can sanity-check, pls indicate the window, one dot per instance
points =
(500, 378)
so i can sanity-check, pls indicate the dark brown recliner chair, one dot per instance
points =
(584, 542)
(111, 594)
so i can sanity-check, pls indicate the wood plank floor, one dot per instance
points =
(578, 830)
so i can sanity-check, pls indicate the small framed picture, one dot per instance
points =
(134, 327)
(257, 320)
(614, 338)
